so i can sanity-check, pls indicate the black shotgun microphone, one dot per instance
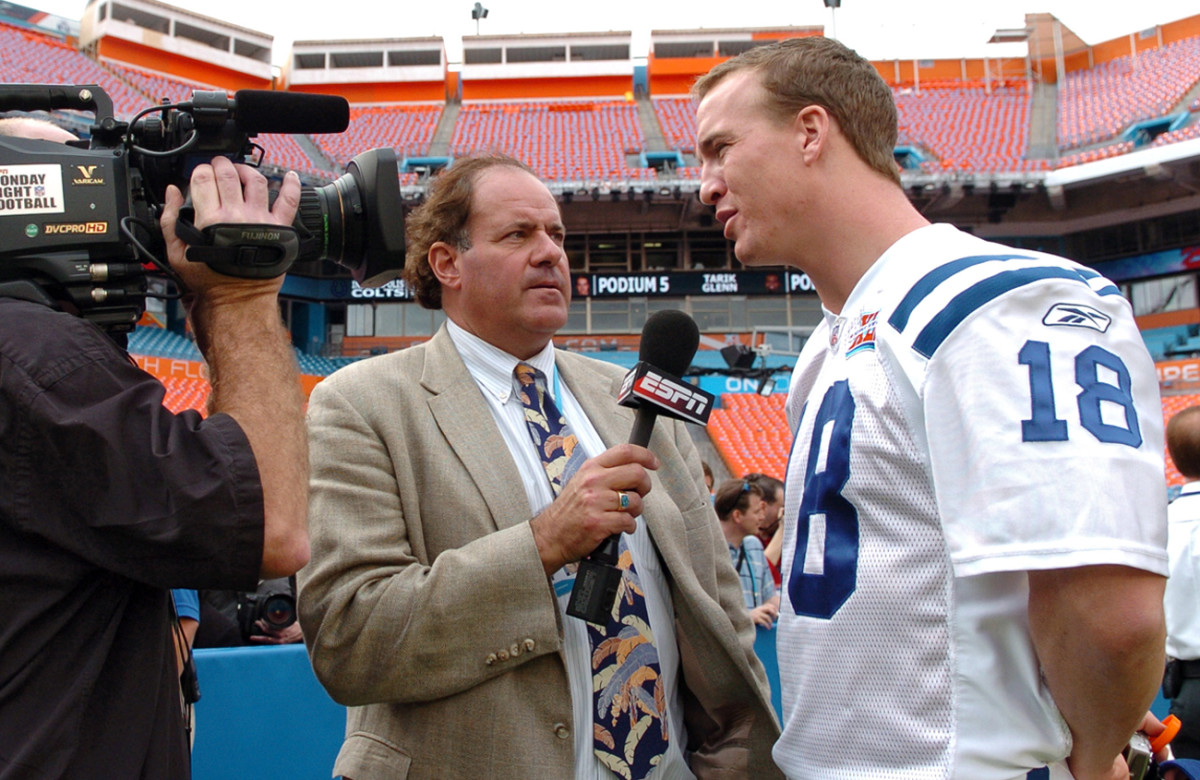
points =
(653, 387)
(268, 111)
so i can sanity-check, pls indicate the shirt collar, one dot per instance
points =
(491, 366)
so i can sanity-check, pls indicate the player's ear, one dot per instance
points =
(812, 127)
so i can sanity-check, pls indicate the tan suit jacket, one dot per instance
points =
(426, 608)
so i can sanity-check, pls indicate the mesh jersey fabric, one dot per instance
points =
(973, 412)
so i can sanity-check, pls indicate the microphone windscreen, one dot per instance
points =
(267, 111)
(669, 341)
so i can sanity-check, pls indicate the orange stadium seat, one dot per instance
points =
(750, 433)
(967, 128)
(677, 117)
(408, 129)
(563, 141)
(186, 393)
(38, 59)
(1099, 103)
(155, 86)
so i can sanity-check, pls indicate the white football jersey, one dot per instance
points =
(973, 413)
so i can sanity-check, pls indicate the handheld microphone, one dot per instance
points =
(653, 387)
(267, 111)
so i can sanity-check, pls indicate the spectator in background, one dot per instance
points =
(1182, 598)
(110, 500)
(739, 504)
(771, 532)
(708, 475)
(974, 549)
(187, 613)
(265, 616)
(445, 538)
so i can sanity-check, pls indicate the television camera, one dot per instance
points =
(79, 221)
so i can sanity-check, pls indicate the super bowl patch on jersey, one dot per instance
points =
(1077, 315)
(861, 333)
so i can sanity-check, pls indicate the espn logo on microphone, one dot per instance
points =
(669, 394)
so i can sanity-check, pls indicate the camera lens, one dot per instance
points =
(279, 611)
(358, 220)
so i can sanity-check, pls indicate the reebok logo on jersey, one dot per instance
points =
(863, 336)
(1077, 315)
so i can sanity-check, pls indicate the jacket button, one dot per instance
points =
(490, 660)
(529, 644)
(561, 731)
(502, 655)
(515, 650)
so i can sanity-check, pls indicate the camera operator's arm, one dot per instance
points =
(251, 365)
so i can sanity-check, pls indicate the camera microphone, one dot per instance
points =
(267, 111)
(653, 387)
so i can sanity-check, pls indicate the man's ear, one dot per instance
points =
(812, 126)
(443, 261)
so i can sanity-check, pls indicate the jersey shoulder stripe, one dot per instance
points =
(930, 281)
(940, 325)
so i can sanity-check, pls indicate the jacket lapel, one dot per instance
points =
(470, 430)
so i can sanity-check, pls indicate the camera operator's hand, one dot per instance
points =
(224, 193)
(277, 636)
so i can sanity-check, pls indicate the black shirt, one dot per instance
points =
(107, 500)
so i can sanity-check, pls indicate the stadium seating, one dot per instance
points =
(750, 433)
(1098, 153)
(186, 393)
(677, 117)
(1188, 131)
(160, 342)
(561, 140)
(969, 129)
(37, 59)
(283, 151)
(407, 129)
(1098, 103)
(155, 86)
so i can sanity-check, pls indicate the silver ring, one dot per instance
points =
(624, 499)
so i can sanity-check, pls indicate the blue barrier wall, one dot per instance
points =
(263, 714)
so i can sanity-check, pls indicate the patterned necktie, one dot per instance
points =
(629, 702)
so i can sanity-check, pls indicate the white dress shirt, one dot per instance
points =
(1181, 601)
(492, 369)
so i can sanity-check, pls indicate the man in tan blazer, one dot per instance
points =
(429, 606)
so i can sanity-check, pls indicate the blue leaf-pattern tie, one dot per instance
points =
(629, 702)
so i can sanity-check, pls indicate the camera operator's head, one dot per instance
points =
(31, 127)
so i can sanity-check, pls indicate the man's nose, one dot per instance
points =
(711, 187)
(546, 250)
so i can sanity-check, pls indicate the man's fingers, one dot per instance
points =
(229, 182)
(288, 199)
